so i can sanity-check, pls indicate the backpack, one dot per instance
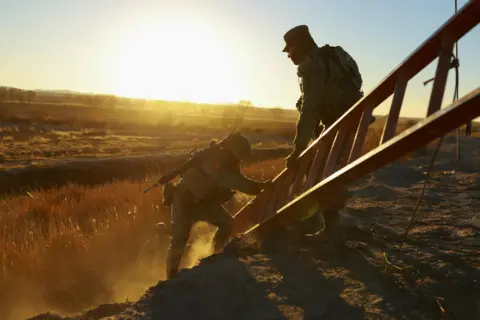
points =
(339, 56)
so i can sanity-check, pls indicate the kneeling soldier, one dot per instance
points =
(201, 192)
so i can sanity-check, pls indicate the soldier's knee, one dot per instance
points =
(179, 240)
(228, 224)
(225, 226)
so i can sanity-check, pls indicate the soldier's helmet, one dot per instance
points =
(239, 145)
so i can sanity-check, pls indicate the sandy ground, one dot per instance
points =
(434, 274)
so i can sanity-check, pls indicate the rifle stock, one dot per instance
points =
(172, 174)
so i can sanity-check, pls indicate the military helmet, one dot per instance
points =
(239, 145)
(296, 36)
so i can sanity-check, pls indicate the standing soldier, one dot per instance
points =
(330, 84)
(202, 191)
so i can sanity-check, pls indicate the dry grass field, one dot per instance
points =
(70, 248)
(71, 181)
(36, 134)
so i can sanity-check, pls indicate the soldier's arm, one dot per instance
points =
(232, 179)
(298, 105)
(237, 181)
(313, 75)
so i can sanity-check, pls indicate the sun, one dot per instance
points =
(176, 60)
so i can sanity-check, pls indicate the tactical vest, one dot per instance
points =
(198, 182)
(344, 89)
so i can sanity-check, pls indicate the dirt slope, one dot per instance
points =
(434, 275)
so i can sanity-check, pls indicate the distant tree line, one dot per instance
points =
(15, 94)
(169, 108)
(94, 100)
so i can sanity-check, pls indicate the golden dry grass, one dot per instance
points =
(71, 248)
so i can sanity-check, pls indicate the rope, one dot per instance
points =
(456, 81)
(455, 64)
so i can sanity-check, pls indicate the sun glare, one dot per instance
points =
(176, 60)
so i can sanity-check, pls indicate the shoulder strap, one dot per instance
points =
(328, 53)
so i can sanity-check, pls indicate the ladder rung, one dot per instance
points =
(274, 197)
(334, 152)
(298, 183)
(284, 191)
(361, 134)
(390, 128)
(441, 74)
(318, 162)
(283, 183)
(349, 139)
(347, 146)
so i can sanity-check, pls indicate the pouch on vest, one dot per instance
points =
(198, 183)
(168, 193)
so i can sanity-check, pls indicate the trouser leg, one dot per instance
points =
(311, 225)
(218, 216)
(332, 221)
(179, 237)
(330, 216)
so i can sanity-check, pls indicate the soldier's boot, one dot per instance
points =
(332, 231)
(311, 226)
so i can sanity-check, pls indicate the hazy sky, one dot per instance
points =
(214, 51)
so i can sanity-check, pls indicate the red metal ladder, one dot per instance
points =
(296, 190)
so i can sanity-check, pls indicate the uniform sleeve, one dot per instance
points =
(231, 179)
(313, 76)
(298, 105)
(237, 181)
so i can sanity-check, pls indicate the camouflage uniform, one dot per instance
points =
(321, 100)
(327, 93)
(199, 197)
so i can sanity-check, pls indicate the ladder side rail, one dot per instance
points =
(454, 28)
(438, 124)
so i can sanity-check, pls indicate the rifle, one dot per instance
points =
(195, 158)
(172, 174)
